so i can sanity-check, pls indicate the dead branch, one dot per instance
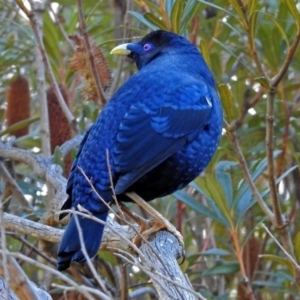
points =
(22, 286)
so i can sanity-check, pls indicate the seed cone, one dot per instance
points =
(60, 129)
(18, 104)
(79, 62)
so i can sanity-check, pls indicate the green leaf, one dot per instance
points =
(204, 52)
(155, 21)
(216, 251)
(227, 101)
(279, 260)
(227, 12)
(199, 207)
(252, 25)
(224, 178)
(279, 27)
(143, 20)
(263, 81)
(214, 189)
(224, 268)
(28, 142)
(19, 125)
(190, 9)
(294, 11)
(169, 6)
(226, 48)
(297, 246)
(108, 257)
(176, 15)
(239, 11)
(243, 200)
(251, 6)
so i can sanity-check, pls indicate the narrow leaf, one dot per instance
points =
(225, 268)
(227, 101)
(223, 176)
(279, 27)
(176, 15)
(155, 21)
(169, 6)
(19, 125)
(204, 52)
(294, 11)
(239, 11)
(263, 81)
(252, 25)
(213, 188)
(143, 20)
(228, 12)
(280, 260)
(251, 6)
(197, 206)
(190, 9)
(297, 246)
(216, 251)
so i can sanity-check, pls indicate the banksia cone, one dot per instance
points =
(60, 129)
(79, 62)
(18, 104)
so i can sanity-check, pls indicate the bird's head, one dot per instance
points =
(153, 45)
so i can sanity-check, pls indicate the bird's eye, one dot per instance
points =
(147, 47)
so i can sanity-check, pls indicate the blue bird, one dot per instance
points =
(160, 130)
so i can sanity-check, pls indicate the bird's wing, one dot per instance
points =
(69, 188)
(150, 133)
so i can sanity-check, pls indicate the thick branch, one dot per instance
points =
(166, 246)
(168, 278)
(37, 19)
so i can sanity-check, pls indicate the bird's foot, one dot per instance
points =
(159, 224)
(156, 224)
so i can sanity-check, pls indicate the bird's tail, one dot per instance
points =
(70, 248)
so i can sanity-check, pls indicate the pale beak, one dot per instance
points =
(120, 50)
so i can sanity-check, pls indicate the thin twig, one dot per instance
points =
(4, 262)
(19, 195)
(291, 53)
(32, 247)
(243, 164)
(59, 275)
(124, 283)
(280, 246)
(88, 260)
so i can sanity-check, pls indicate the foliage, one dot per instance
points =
(249, 46)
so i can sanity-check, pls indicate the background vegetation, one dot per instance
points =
(240, 218)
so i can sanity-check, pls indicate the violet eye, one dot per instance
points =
(147, 47)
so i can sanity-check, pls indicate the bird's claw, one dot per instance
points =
(158, 225)
(154, 226)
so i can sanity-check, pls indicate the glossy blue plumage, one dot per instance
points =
(161, 128)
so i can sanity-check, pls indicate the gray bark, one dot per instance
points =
(162, 252)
